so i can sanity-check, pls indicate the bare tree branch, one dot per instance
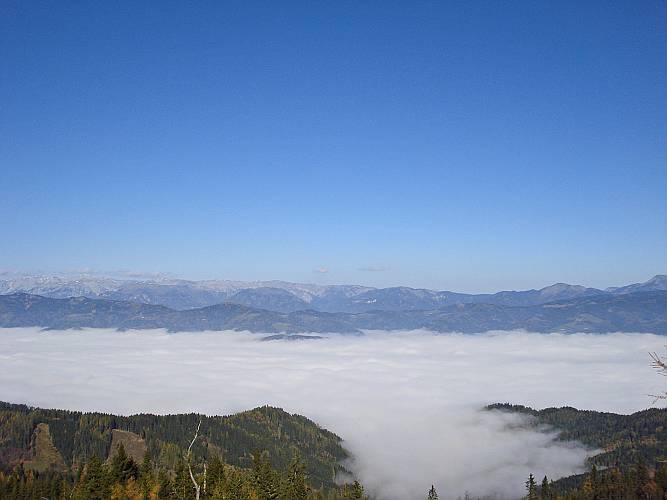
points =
(657, 397)
(658, 363)
(661, 367)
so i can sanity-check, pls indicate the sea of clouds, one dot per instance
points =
(407, 404)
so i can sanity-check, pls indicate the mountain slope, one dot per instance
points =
(33, 310)
(657, 283)
(641, 312)
(558, 291)
(619, 437)
(637, 312)
(272, 299)
(75, 437)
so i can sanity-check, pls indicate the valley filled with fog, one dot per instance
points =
(407, 404)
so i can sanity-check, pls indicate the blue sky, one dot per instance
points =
(470, 146)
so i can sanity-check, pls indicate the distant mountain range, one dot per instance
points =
(285, 297)
(630, 312)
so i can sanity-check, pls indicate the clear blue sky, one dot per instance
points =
(454, 145)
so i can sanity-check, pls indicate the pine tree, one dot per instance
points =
(266, 480)
(644, 486)
(661, 479)
(354, 491)
(165, 486)
(595, 483)
(146, 476)
(531, 488)
(215, 475)
(432, 494)
(615, 484)
(182, 484)
(95, 484)
(123, 467)
(232, 488)
(294, 486)
(545, 489)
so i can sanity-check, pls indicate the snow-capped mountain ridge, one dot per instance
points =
(285, 296)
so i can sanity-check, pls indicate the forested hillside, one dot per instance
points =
(630, 462)
(71, 452)
(622, 439)
(267, 453)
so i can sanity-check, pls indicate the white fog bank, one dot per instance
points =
(405, 403)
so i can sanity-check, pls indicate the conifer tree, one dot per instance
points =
(266, 480)
(182, 484)
(354, 491)
(233, 487)
(165, 486)
(294, 486)
(644, 486)
(215, 475)
(531, 488)
(661, 480)
(146, 476)
(95, 484)
(545, 489)
(432, 494)
(123, 467)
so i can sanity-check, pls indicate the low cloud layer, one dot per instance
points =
(407, 404)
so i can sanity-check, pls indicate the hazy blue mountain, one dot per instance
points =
(273, 299)
(410, 299)
(657, 283)
(290, 337)
(79, 312)
(172, 295)
(33, 310)
(287, 297)
(336, 298)
(558, 291)
(635, 312)
(390, 299)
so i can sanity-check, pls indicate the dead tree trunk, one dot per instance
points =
(197, 486)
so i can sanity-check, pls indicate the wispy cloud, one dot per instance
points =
(407, 404)
(375, 269)
(321, 270)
